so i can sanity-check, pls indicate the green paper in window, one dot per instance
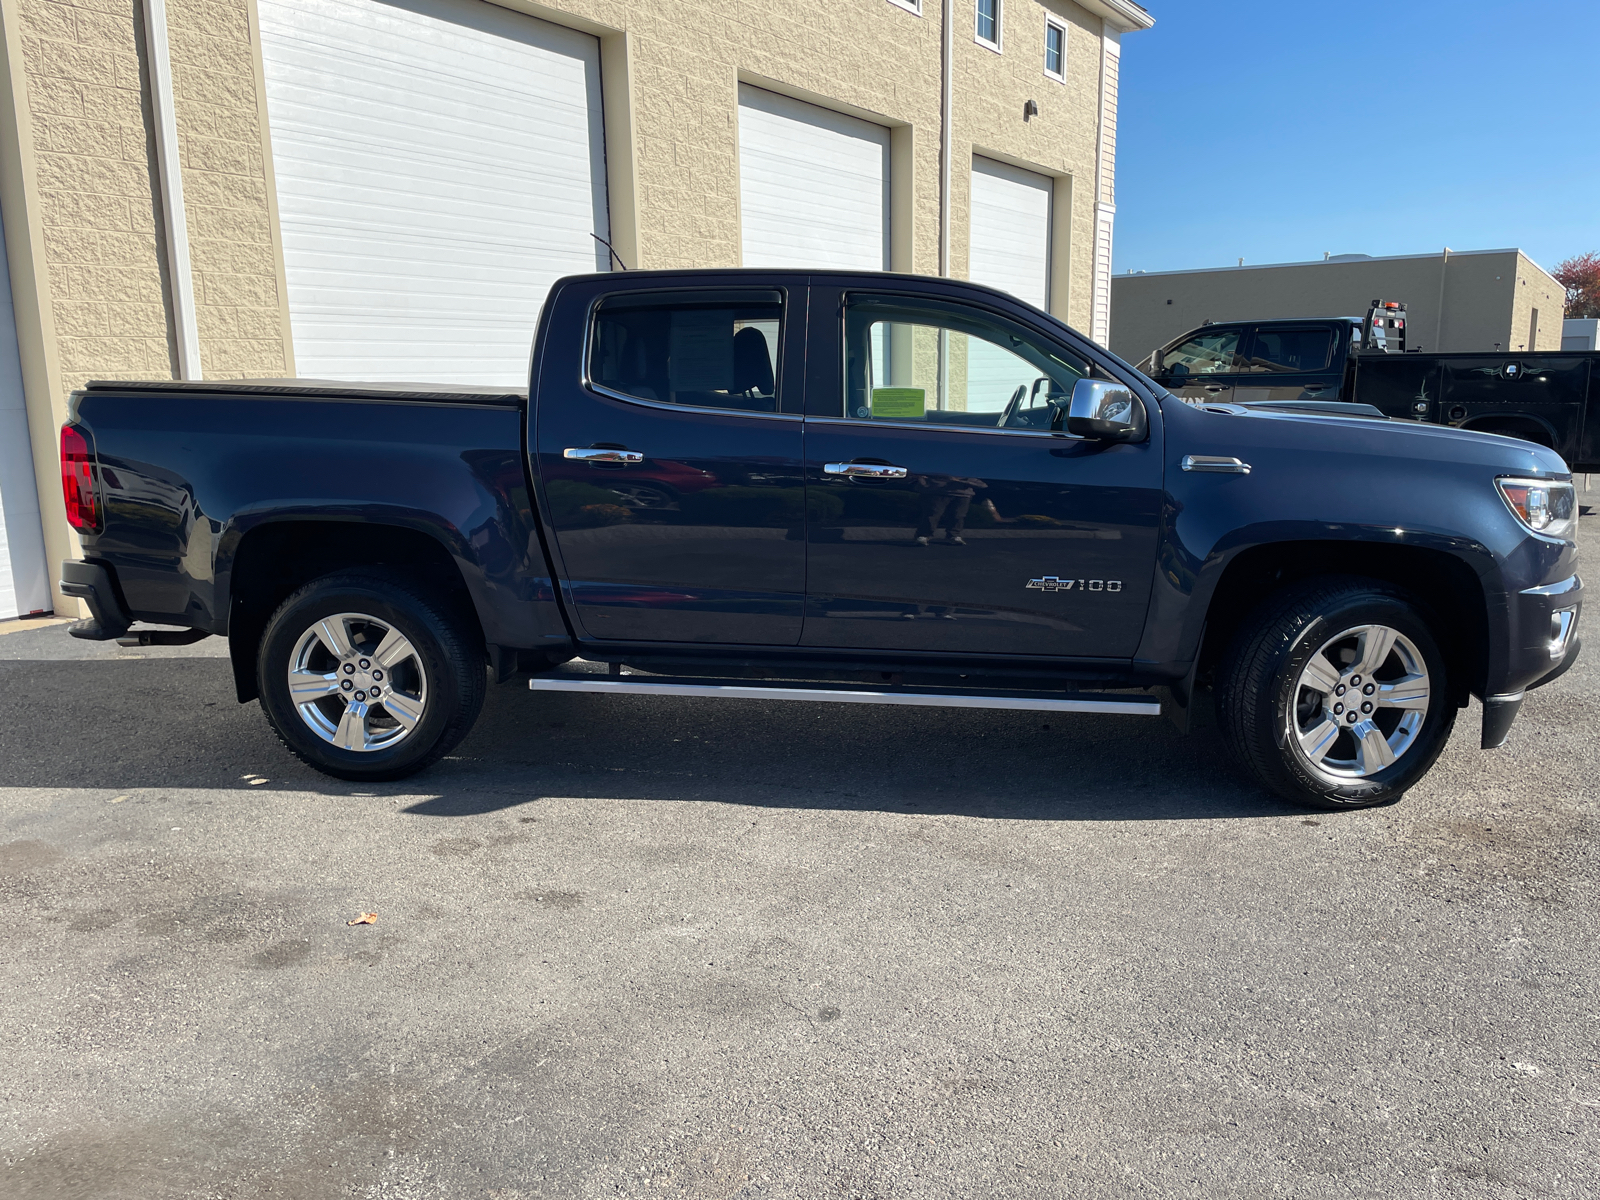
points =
(899, 403)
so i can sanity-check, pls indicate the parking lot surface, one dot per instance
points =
(672, 947)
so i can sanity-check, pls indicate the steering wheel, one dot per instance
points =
(1011, 408)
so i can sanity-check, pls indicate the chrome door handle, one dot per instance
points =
(865, 470)
(592, 454)
(1216, 387)
(1212, 462)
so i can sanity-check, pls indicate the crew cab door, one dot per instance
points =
(948, 512)
(666, 434)
(1203, 367)
(1291, 362)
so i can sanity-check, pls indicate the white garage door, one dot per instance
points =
(24, 585)
(813, 186)
(1011, 231)
(439, 164)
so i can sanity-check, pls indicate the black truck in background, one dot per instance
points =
(1550, 397)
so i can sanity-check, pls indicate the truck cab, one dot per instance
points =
(1241, 362)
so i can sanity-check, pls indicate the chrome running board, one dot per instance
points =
(844, 693)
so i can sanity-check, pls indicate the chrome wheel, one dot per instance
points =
(357, 682)
(1359, 703)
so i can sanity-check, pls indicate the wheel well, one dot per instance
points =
(1444, 585)
(1529, 429)
(273, 560)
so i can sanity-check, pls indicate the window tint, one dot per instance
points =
(1209, 352)
(1280, 350)
(945, 364)
(1055, 44)
(704, 349)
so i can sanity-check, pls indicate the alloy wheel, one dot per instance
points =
(1359, 703)
(357, 682)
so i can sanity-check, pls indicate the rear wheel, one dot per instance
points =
(1334, 694)
(365, 676)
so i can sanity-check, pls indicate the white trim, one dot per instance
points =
(171, 179)
(1051, 21)
(998, 45)
(1126, 17)
(946, 150)
(911, 6)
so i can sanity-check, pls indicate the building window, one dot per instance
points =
(1055, 48)
(987, 30)
(911, 6)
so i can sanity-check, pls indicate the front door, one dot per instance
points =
(671, 471)
(1203, 368)
(948, 512)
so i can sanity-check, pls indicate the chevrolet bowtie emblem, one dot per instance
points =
(1052, 583)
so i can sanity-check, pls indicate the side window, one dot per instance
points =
(938, 363)
(704, 349)
(1287, 350)
(1209, 352)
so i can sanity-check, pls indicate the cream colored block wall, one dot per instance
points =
(95, 190)
(1536, 290)
(240, 311)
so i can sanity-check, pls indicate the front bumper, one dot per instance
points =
(1543, 647)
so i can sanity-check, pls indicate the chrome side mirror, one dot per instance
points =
(1105, 412)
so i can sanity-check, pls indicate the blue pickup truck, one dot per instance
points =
(843, 488)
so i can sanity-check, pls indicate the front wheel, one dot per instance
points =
(1334, 694)
(364, 676)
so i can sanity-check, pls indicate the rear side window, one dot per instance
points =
(1289, 350)
(700, 349)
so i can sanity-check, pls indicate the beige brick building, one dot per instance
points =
(386, 188)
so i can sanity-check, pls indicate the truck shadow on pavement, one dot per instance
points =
(174, 723)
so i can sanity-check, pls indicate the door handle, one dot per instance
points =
(1216, 387)
(1215, 462)
(863, 470)
(593, 454)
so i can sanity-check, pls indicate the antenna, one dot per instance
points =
(608, 246)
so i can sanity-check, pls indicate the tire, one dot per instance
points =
(418, 709)
(1301, 655)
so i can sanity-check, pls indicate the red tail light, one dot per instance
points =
(77, 481)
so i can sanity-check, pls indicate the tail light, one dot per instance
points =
(77, 481)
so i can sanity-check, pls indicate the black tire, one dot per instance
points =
(447, 670)
(1260, 678)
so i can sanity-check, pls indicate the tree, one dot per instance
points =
(1580, 275)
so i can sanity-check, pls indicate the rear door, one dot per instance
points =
(1291, 362)
(669, 461)
(948, 513)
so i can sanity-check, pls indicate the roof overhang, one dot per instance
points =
(1126, 16)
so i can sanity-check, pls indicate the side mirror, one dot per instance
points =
(1104, 411)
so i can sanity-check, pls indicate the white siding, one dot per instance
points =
(1105, 209)
(24, 578)
(439, 164)
(813, 186)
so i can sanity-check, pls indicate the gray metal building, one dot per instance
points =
(1459, 301)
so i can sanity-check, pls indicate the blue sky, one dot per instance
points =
(1277, 131)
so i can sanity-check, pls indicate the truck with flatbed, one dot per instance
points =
(828, 487)
(1551, 397)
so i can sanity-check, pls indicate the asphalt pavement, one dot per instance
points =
(691, 948)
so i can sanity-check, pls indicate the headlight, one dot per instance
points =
(1546, 506)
